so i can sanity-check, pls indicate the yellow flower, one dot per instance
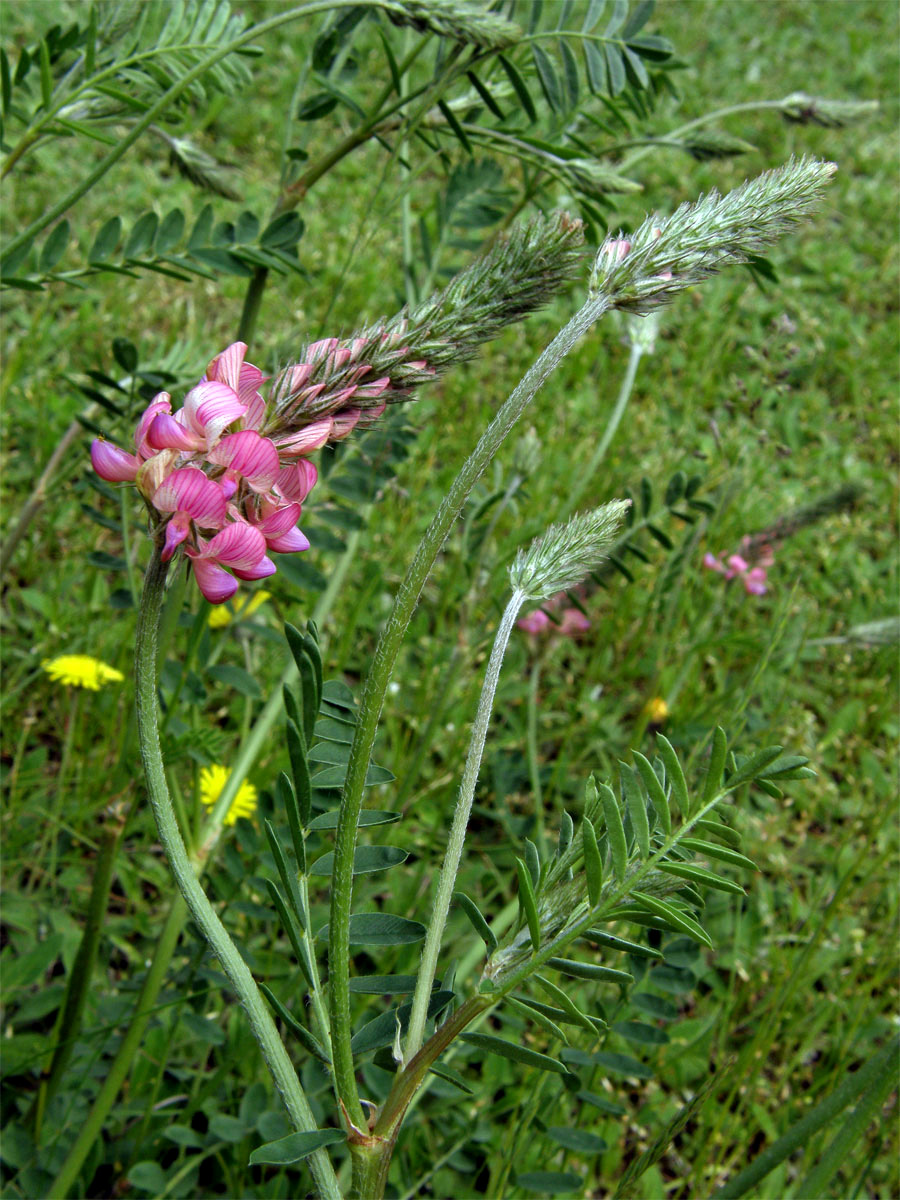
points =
(213, 780)
(657, 710)
(223, 615)
(80, 670)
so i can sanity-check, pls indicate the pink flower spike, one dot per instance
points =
(165, 433)
(189, 490)
(215, 584)
(250, 455)
(112, 464)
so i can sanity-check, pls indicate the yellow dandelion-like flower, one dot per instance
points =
(80, 670)
(223, 614)
(657, 710)
(213, 779)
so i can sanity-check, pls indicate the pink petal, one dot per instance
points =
(250, 455)
(310, 437)
(319, 349)
(755, 582)
(256, 411)
(262, 570)
(238, 545)
(211, 407)
(573, 622)
(374, 387)
(296, 482)
(176, 531)
(112, 464)
(291, 542)
(737, 564)
(188, 490)
(165, 433)
(535, 622)
(279, 520)
(161, 403)
(215, 584)
(710, 560)
(345, 422)
(226, 367)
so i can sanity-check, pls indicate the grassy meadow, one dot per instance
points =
(777, 394)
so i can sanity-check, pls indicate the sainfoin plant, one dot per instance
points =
(224, 478)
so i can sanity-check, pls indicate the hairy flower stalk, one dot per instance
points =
(558, 560)
(225, 477)
(791, 192)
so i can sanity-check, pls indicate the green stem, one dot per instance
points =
(168, 939)
(379, 677)
(457, 839)
(707, 119)
(80, 978)
(201, 909)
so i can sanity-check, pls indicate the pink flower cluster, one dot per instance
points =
(571, 623)
(737, 567)
(227, 493)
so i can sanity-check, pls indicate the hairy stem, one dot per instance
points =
(456, 841)
(379, 677)
(201, 909)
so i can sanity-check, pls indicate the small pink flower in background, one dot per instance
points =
(737, 567)
(535, 622)
(571, 623)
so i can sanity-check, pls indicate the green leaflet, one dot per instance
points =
(479, 924)
(295, 1146)
(366, 859)
(593, 864)
(615, 831)
(637, 808)
(718, 753)
(380, 929)
(528, 904)
(558, 996)
(674, 916)
(655, 791)
(674, 774)
(699, 875)
(514, 1052)
(580, 970)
